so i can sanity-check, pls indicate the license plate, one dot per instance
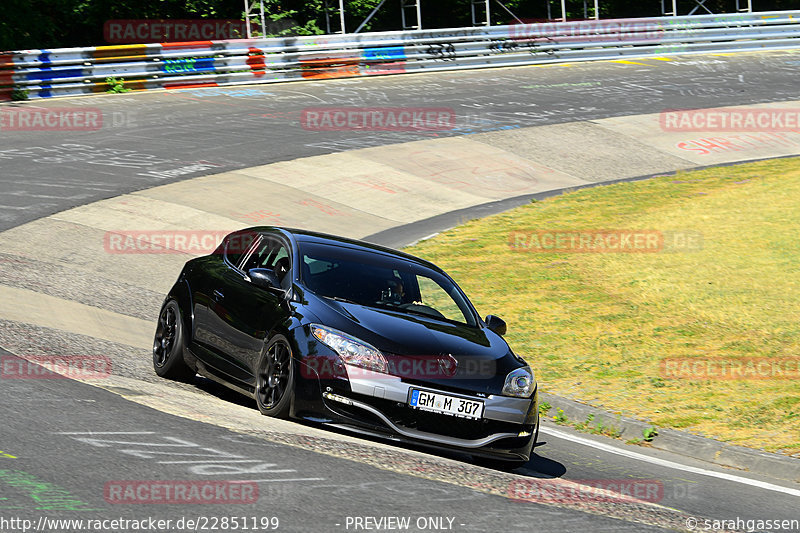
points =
(446, 404)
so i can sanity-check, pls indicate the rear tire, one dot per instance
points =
(169, 345)
(275, 379)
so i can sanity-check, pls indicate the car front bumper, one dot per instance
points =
(380, 401)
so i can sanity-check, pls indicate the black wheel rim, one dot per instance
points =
(273, 377)
(166, 332)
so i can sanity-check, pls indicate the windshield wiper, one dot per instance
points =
(405, 310)
(345, 300)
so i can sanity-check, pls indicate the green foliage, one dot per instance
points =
(583, 426)
(19, 94)
(598, 428)
(560, 417)
(544, 407)
(116, 86)
(282, 19)
(649, 433)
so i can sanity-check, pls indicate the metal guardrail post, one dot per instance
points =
(341, 17)
(414, 6)
(249, 15)
(481, 6)
(327, 9)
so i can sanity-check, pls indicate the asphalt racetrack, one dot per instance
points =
(67, 446)
(158, 137)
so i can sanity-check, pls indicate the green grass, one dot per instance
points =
(595, 326)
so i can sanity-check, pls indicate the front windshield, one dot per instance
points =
(384, 282)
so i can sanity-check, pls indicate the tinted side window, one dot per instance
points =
(267, 255)
(237, 244)
(272, 254)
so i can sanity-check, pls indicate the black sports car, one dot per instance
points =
(349, 334)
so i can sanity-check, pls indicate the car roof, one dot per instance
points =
(301, 235)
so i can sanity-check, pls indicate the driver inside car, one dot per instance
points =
(395, 294)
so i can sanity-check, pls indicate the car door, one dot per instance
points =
(245, 314)
(209, 342)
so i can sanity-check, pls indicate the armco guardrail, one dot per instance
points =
(74, 71)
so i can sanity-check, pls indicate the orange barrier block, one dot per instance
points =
(330, 67)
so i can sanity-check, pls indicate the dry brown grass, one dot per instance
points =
(595, 326)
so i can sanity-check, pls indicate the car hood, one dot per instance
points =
(411, 341)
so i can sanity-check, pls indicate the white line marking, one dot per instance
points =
(211, 461)
(25, 194)
(105, 433)
(309, 95)
(668, 464)
(284, 471)
(276, 480)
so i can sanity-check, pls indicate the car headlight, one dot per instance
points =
(352, 351)
(519, 383)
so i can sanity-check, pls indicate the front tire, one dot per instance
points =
(275, 379)
(169, 344)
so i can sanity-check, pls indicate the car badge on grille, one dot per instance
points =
(447, 365)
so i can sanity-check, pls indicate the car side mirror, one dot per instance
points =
(496, 324)
(265, 278)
